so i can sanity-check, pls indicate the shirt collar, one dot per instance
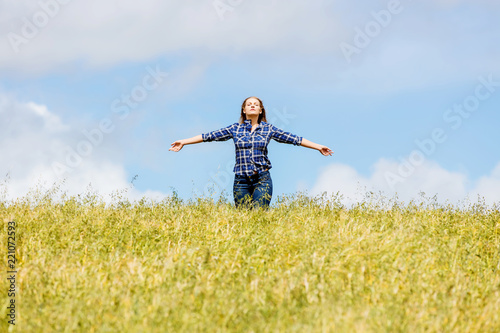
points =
(248, 121)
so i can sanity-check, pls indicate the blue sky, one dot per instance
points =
(372, 80)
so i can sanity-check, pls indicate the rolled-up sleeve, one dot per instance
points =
(222, 134)
(285, 137)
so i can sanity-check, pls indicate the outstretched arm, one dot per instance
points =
(286, 137)
(177, 145)
(322, 149)
(222, 134)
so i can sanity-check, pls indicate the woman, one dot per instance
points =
(252, 182)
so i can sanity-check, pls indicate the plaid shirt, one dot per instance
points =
(251, 147)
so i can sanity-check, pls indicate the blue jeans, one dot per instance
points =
(254, 191)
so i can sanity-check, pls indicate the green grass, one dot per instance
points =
(306, 265)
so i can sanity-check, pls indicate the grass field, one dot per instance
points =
(306, 265)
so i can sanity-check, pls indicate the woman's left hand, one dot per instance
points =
(325, 151)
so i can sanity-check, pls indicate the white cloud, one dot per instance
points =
(429, 178)
(447, 47)
(112, 32)
(32, 139)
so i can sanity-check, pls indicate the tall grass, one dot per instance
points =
(306, 265)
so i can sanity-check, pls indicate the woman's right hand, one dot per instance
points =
(177, 145)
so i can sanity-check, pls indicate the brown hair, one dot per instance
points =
(262, 116)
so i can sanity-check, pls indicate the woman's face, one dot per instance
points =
(252, 107)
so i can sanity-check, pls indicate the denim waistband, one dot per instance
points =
(253, 175)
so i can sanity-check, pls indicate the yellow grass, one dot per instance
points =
(306, 265)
